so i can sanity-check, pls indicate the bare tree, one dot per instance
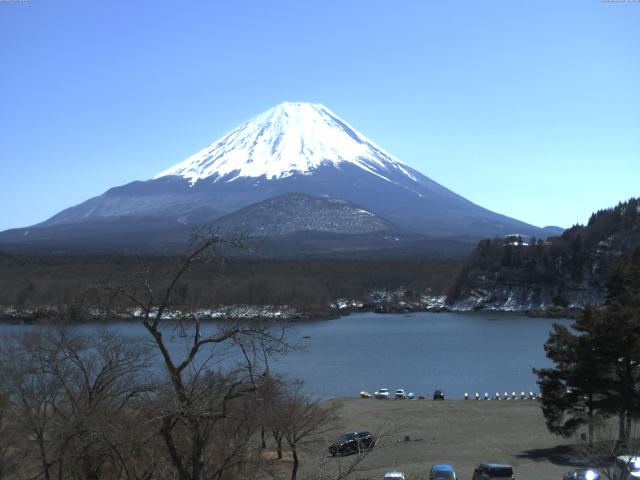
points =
(302, 419)
(67, 396)
(6, 463)
(99, 376)
(31, 393)
(271, 396)
(217, 369)
(136, 450)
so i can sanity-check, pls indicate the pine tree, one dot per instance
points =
(620, 342)
(596, 369)
(574, 391)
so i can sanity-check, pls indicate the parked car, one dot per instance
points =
(626, 467)
(493, 471)
(395, 475)
(381, 393)
(364, 394)
(581, 474)
(353, 442)
(438, 395)
(400, 394)
(442, 472)
(411, 396)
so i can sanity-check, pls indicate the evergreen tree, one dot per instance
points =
(574, 391)
(620, 342)
(623, 289)
(596, 369)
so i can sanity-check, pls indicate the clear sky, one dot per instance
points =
(528, 108)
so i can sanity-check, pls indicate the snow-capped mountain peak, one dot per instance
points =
(292, 149)
(290, 138)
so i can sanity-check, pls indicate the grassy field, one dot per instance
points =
(462, 433)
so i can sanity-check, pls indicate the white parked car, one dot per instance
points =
(400, 394)
(626, 467)
(381, 393)
(395, 475)
(411, 396)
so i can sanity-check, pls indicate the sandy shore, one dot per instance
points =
(462, 433)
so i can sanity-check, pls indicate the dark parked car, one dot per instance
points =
(351, 443)
(493, 471)
(438, 395)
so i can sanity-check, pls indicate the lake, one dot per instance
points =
(455, 352)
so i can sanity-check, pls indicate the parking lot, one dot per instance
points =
(458, 432)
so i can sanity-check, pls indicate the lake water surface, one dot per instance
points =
(455, 352)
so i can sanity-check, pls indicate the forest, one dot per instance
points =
(68, 282)
(580, 259)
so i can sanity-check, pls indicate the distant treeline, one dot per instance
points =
(68, 282)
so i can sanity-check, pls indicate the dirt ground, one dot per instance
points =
(458, 432)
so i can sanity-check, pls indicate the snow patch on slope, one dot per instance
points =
(290, 138)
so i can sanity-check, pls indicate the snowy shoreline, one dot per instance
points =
(272, 313)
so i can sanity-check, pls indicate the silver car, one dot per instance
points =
(381, 393)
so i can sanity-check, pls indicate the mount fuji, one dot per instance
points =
(292, 148)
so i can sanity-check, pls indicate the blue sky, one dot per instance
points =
(531, 109)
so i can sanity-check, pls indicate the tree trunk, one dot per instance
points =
(174, 454)
(197, 449)
(277, 436)
(621, 427)
(43, 457)
(294, 469)
(591, 419)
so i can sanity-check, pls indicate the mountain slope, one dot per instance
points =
(110, 234)
(296, 212)
(294, 147)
